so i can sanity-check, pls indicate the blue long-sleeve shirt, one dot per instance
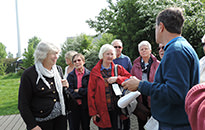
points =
(124, 61)
(176, 74)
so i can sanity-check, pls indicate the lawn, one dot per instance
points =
(9, 85)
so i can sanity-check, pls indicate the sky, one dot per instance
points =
(50, 20)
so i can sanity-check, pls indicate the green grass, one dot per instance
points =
(9, 85)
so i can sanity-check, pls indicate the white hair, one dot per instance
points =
(144, 43)
(105, 48)
(117, 40)
(42, 49)
(203, 39)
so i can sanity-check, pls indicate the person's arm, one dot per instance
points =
(175, 75)
(91, 95)
(84, 90)
(72, 80)
(25, 99)
(123, 74)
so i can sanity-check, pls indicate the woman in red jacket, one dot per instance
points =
(101, 98)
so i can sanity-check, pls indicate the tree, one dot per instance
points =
(3, 67)
(10, 55)
(86, 45)
(134, 20)
(3, 53)
(28, 59)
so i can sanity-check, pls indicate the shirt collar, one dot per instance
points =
(79, 73)
(103, 68)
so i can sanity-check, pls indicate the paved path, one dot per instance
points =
(15, 122)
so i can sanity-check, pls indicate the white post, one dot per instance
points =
(18, 34)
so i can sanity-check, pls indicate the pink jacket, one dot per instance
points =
(137, 71)
(96, 93)
(195, 106)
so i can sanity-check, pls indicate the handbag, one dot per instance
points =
(128, 110)
(70, 102)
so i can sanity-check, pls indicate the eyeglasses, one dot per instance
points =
(117, 47)
(202, 44)
(160, 48)
(76, 60)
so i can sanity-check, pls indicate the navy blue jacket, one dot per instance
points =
(82, 93)
(176, 74)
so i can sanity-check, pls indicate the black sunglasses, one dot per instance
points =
(117, 47)
(76, 60)
(158, 48)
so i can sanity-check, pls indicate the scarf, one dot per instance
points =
(57, 79)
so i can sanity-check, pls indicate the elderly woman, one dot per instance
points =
(41, 101)
(68, 59)
(68, 69)
(144, 68)
(78, 87)
(101, 98)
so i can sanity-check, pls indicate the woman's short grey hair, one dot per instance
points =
(70, 54)
(117, 40)
(105, 48)
(42, 49)
(144, 43)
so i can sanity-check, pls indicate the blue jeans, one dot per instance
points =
(176, 128)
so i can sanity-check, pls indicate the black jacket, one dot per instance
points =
(82, 93)
(36, 100)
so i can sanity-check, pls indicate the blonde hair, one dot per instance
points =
(70, 54)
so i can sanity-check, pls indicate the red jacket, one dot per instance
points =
(137, 71)
(96, 93)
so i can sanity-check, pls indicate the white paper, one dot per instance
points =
(151, 124)
(127, 99)
(116, 89)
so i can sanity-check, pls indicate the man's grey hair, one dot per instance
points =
(117, 40)
(42, 50)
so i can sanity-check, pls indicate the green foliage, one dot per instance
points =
(10, 55)
(3, 67)
(134, 20)
(2, 51)
(11, 64)
(86, 45)
(28, 59)
(9, 94)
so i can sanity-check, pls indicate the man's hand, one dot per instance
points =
(131, 84)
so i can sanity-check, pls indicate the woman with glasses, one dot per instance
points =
(144, 68)
(161, 50)
(78, 87)
(102, 100)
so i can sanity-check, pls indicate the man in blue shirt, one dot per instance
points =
(121, 59)
(176, 74)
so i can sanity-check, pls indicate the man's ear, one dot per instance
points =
(161, 27)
